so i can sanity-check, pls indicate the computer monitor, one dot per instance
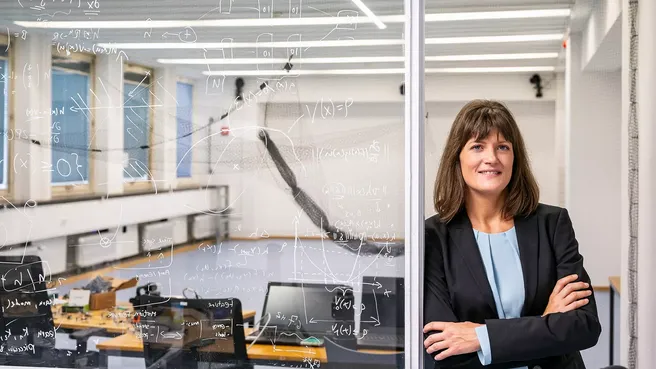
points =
(305, 307)
(26, 322)
(184, 332)
(382, 303)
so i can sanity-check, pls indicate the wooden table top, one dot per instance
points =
(131, 342)
(616, 283)
(116, 321)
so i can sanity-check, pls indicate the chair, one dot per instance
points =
(345, 358)
(27, 323)
(192, 333)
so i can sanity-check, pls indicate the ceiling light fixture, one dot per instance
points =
(493, 39)
(355, 59)
(492, 57)
(246, 45)
(491, 69)
(297, 72)
(240, 61)
(511, 14)
(326, 43)
(304, 21)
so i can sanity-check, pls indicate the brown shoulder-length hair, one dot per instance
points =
(476, 120)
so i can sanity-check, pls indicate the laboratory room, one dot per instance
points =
(327, 184)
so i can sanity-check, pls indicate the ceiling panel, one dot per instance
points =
(214, 9)
(186, 10)
(324, 32)
(145, 10)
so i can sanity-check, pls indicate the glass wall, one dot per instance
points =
(193, 182)
(248, 201)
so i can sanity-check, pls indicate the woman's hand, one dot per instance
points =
(454, 338)
(567, 296)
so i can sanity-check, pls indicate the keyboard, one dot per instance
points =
(270, 335)
(382, 340)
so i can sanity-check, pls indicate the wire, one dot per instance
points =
(633, 188)
(30, 139)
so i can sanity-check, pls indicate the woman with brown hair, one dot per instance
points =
(505, 285)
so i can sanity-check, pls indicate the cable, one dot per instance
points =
(633, 187)
(212, 121)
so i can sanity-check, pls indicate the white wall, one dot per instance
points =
(560, 144)
(24, 223)
(593, 157)
(377, 89)
(364, 115)
(601, 36)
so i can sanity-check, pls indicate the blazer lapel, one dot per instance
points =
(463, 239)
(528, 242)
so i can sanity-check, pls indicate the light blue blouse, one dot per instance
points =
(503, 267)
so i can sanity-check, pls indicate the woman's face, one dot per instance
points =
(487, 164)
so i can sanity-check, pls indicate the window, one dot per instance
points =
(71, 125)
(5, 127)
(137, 125)
(184, 93)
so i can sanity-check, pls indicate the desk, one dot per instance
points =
(615, 286)
(115, 321)
(130, 345)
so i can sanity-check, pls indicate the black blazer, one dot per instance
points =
(456, 290)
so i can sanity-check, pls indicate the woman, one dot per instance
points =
(505, 285)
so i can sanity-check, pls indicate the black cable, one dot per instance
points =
(148, 146)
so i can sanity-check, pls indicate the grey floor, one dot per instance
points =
(242, 269)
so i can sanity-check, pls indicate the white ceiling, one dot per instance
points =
(142, 10)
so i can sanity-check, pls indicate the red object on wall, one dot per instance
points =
(225, 130)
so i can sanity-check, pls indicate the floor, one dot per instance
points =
(242, 269)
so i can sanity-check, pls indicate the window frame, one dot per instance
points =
(192, 179)
(6, 192)
(66, 190)
(146, 184)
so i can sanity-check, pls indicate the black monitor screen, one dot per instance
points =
(25, 308)
(308, 307)
(382, 303)
(184, 330)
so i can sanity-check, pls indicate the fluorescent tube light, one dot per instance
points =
(355, 59)
(297, 72)
(247, 73)
(491, 69)
(304, 21)
(241, 61)
(369, 14)
(200, 23)
(492, 57)
(512, 14)
(493, 39)
(246, 45)
(325, 43)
